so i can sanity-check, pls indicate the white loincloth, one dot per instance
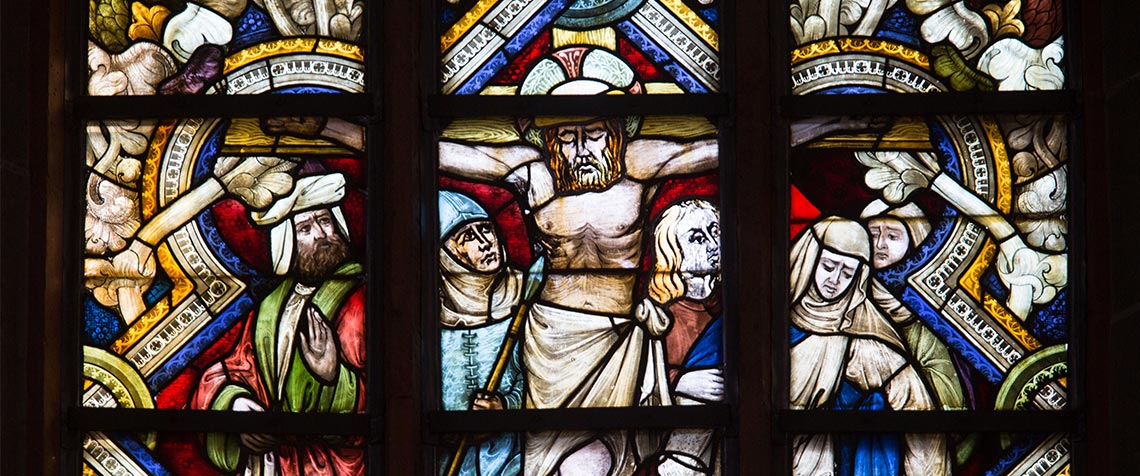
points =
(580, 359)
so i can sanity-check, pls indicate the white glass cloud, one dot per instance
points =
(1019, 67)
(194, 27)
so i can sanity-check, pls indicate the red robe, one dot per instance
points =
(248, 371)
(690, 318)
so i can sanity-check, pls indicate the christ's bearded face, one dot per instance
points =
(320, 246)
(585, 157)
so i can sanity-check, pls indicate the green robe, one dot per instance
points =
(250, 369)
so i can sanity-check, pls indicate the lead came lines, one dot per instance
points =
(681, 43)
(484, 40)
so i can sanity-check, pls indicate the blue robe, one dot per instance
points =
(864, 454)
(707, 351)
(468, 355)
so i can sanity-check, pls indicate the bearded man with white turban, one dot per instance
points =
(302, 350)
(847, 355)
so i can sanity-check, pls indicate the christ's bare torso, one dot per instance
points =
(593, 240)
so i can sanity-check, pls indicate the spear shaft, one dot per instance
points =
(534, 280)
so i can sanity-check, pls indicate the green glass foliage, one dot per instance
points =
(109, 21)
(949, 64)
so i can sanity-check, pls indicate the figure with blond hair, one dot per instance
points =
(685, 281)
(686, 275)
(846, 354)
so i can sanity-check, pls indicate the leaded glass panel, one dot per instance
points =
(222, 265)
(918, 46)
(579, 267)
(971, 454)
(928, 266)
(225, 47)
(117, 453)
(689, 451)
(507, 47)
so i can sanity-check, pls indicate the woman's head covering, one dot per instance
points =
(851, 312)
(910, 215)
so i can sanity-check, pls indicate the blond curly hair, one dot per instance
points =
(666, 284)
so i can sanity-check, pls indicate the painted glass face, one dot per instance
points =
(476, 246)
(320, 247)
(314, 227)
(834, 273)
(889, 241)
(700, 252)
(583, 146)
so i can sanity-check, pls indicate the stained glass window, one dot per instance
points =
(223, 266)
(225, 302)
(972, 242)
(579, 267)
(968, 454)
(579, 204)
(928, 266)
(189, 269)
(178, 453)
(693, 451)
(579, 246)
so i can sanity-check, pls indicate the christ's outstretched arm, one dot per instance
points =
(480, 162)
(648, 159)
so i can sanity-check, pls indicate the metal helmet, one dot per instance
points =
(456, 209)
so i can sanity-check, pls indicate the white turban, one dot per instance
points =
(309, 193)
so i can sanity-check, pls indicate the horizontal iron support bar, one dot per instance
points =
(139, 419)
(1041, 102)
(259, 105)
(804, 422)
(641, 104)
(696, 416)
